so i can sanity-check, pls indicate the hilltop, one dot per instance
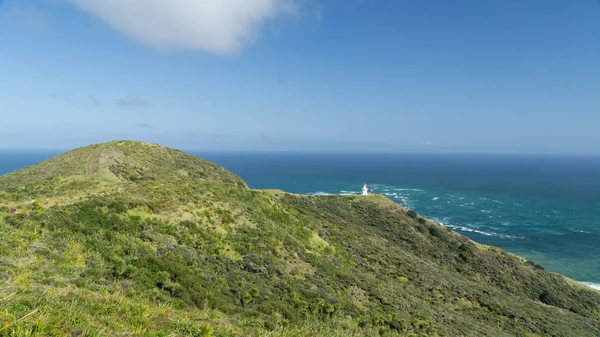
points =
(100, 166)
(129, 238)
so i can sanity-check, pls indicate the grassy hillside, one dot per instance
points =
(148, 241)
(106, 165)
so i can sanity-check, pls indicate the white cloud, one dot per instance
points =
(217, 26)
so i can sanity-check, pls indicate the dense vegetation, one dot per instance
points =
(129, 238)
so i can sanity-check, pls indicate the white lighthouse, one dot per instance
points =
(365, 189)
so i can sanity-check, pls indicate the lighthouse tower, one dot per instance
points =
(365, 189)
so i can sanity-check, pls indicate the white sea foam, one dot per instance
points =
(592, 285)
(442, 221)
(404, 200)
(401, 199)
(389, 188)
(435, 198)
(319, 193)
(473, 230)
(469, 228)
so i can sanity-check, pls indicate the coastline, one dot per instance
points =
(592, 285)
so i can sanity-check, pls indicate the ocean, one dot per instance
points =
(544, 208)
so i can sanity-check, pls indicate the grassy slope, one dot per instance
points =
(149, 241)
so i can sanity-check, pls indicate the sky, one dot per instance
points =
(510, 76)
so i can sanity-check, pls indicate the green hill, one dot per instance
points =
(133, 239)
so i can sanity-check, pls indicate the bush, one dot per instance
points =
(434, 231)
(550, 298)
(466, 253)
(412, 214)
(422, 221)
(535, 265)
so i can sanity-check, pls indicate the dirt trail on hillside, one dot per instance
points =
(93, 162)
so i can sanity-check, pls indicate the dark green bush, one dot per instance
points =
(535, 265)
(466, 253)
(434, 231)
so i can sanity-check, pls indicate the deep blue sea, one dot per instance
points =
(544, 208)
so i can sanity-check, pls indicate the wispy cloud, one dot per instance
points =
(95, 101)
(132, 102)
(62, 96)
(144, 126)
(217, 26)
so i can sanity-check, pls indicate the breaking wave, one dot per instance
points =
(473, 230)
(318, 193)
(592, 285)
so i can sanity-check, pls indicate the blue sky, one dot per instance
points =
(372, 75)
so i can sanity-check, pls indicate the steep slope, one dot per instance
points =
(150, 241)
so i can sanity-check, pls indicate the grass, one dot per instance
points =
(137, 247)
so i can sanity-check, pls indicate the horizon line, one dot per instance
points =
(339, 151)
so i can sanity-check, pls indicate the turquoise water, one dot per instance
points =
(544, 208)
